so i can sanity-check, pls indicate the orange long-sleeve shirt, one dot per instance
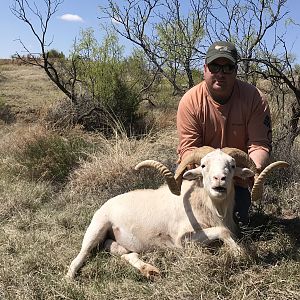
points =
(243, 122)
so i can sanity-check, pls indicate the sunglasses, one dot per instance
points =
(226, 69)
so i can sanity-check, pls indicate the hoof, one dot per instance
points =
(239, 252)
(150, 272)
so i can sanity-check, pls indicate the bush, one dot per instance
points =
(6, 114)
(61, 115)
(50, 156)
(106, 83)
(53, 53)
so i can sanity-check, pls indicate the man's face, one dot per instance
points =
(220, 81)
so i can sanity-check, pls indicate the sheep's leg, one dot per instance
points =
(147, 270)
(95, 234)
(114, 248)
(208, 235)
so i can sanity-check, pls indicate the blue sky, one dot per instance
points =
(62, 30)
(74, 15)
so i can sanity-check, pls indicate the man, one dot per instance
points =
(223, 111)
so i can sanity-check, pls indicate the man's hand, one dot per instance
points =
(260, 158)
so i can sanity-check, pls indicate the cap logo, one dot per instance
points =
(221, 48)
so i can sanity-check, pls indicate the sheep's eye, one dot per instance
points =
(233, 167)
(202, 166)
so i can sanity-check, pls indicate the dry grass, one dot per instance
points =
(42, 225)
(27, 90)
(114, 160)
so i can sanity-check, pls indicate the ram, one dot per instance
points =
(199, 209)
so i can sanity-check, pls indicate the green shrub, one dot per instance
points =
(6, 114)
(53, 53)
(51, 157)
(103, 72)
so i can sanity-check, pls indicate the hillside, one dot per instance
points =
(26, 90)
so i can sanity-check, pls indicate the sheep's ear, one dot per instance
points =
(193, 174)
(243, 172)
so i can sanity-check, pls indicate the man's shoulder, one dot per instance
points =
(251, 95)
(246, 85)
(195, 91)
(194, 97)
(249, 91)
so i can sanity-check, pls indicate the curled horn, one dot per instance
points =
(257, 189)
(168, 175)
(242, 159)
(192, 158)
(174, 183)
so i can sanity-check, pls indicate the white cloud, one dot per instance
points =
(71, 18)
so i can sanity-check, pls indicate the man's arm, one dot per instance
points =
(260, 132)
(188, 128)
(260, 158)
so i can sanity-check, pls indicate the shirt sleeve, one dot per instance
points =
(259, 125)
(189, 127)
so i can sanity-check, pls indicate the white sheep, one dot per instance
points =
(141, 220)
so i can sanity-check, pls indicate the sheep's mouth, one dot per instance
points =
(219, 189)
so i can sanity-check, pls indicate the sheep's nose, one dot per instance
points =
(219, 178)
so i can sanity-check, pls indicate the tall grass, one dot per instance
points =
(43, 222)
(41, 154)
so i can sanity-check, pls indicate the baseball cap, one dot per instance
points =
(221, 49)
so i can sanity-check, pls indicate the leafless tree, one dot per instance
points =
(247, 23)
(76, 76)
(280, 71)
(31, 14)
(258, 30)
(175, 40)
(63, 72)
(169, 37)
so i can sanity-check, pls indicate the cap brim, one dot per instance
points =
(213, 57)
